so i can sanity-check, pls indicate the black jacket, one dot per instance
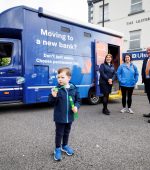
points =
(62, 107)
(107, 72)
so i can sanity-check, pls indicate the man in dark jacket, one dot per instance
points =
(146, 77)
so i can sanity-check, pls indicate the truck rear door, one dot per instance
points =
(10, 70)
(101, 49)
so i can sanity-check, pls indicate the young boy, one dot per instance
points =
(63, 112)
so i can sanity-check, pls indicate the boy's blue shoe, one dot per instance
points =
(57, 154)
(69, 151)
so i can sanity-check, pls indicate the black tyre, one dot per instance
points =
(92, 98)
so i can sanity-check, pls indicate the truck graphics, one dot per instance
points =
(34, 44)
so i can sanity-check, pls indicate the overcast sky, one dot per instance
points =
(77, 9)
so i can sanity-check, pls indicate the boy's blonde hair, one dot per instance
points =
(66, 70)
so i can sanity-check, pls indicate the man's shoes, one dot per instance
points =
(106, 111)
(57, 154)
(69, 151)
(146, 115)
(148, 121)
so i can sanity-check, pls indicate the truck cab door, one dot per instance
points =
(101, 50)
(10, 70)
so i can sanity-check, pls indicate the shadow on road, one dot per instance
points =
(19, 107)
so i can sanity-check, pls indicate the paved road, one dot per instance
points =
(115, 142)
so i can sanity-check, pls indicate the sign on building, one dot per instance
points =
(140, 55)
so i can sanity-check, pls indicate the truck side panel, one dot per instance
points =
(48, 43)
(51, 44)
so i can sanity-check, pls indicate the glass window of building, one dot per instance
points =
(136, 5)
(135, 38)
(106, 13)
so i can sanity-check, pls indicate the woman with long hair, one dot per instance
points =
(107, 76)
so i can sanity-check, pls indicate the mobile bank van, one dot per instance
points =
(34, 44)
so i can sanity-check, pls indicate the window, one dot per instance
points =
(106, 13)
(136, 5)
(5, 53)
(86, 34)
(135, 37)
(65, 29)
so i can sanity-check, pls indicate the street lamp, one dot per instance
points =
(103, 18)
(103, 14)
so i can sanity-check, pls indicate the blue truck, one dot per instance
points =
(35, 43)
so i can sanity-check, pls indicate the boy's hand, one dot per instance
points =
(75, 109)
(54, 92)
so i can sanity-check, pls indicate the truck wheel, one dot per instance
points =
(92, 98)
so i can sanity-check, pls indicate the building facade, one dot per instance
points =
(131, 17)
